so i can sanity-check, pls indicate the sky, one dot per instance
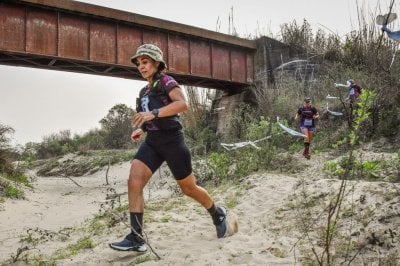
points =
(37, 103)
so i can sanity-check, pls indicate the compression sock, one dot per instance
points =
(306, 146)
(212, 210)
(137, 221)
(217, 214)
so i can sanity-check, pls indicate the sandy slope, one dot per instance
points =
(55, 203)
(189, 237)
(182, 233)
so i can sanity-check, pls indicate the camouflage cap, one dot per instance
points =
(151, 51)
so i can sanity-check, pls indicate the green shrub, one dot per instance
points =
(219, 164)
(13, 192)
(73, 249)
(19, 178)
(10, 185)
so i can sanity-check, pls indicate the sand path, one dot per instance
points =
(179, 229)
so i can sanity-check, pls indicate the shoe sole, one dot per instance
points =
(128, 249)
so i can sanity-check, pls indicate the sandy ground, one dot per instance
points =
(53, 204)
(181, 232)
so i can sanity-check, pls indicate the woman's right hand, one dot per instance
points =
(137, 134)
(139, 118)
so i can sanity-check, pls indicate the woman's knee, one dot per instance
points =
(310, 136)
(139, 175)
(188, 185)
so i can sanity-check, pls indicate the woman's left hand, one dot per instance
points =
(137, 134)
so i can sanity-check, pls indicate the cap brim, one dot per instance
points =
(133, 59)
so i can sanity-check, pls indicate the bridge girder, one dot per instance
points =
(78, 37)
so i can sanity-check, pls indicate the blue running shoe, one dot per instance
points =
(130, 243)
(220, 222)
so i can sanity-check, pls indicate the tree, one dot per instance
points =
(5, 164)
(117, 125)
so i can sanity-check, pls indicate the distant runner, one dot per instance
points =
(353, 89)
(307, 116)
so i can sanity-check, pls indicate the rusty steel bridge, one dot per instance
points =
(73, 36)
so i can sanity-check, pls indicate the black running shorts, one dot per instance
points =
(169, 146)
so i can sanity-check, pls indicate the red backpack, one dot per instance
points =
(357, 90)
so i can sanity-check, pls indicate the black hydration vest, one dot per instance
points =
(307, 115)
(155, 97)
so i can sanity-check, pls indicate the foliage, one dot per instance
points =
(83, 163)
(301, 37)
(10, 189)
(362, 113)
(73, 249)
(91, 140)
(114, 134)
(12, 192)
(62, 143)
(219, 164)
(117, 126)
(19, 178)
(55, 144)
(11, 179)
(5, 163)
(295, 35)
(199, 134)
(372, 170)
(237, 163)
(5, 131)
